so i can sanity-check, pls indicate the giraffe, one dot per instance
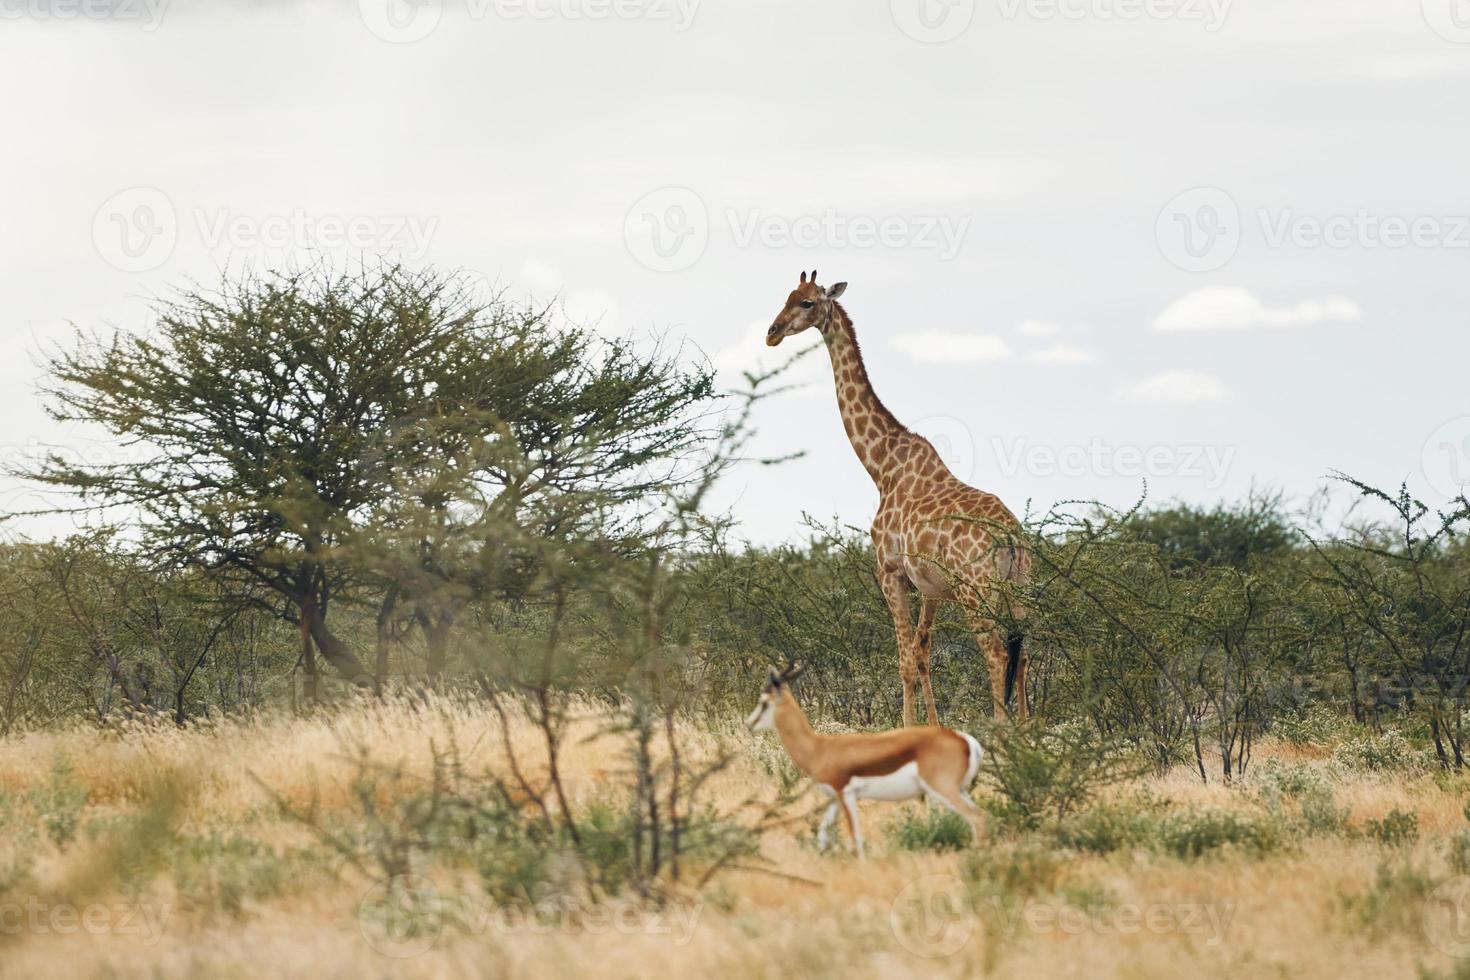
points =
(933, 533)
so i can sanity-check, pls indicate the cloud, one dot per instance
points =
(1227, 308)
(1060, 355)
(593, 308)
(1175, 388)
(750, 354)
(1038, 328)
(949, 347)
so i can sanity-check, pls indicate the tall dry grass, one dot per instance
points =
(1338, 904)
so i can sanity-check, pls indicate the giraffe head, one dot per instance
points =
(809, 305)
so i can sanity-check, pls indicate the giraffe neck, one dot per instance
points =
(796, 734)
(876, 436)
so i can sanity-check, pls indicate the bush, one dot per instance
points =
(1397, 828)
(1317, 724)
(1195, 833)
(1387, 752)
(933, 830)
(1108, 827)
(1301, 794)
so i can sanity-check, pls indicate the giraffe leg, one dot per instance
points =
(928, 609)
(994, 648)
(895, 588)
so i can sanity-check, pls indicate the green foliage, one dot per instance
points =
(1117, 826)
(1394, 902)
(1197, 833)
(1043, 773)
(1386, 752)
(928, 829)
(59, 803)
(1301, 794)
(1396, 828)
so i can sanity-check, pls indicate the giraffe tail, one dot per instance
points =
(1013, 664)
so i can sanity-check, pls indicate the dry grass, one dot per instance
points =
(1320, 907)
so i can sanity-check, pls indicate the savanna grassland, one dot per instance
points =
(398, 638)
(243, 847)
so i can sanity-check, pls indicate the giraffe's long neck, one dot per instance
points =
(876, 436)
(796, 734)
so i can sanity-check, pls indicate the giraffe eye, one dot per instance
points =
(806, 304)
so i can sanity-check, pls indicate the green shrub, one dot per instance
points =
(1302, 795)
(1386, 752)
(935, 829)
(1395, 900)
(1459, 852)
(219, 872)
(1397, 828)
(59, 803)
(1108, 827)
(1195, 833)
(1317, 724)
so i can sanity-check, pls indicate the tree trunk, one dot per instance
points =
(333, 650)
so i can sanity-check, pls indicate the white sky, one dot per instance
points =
(1008, 205)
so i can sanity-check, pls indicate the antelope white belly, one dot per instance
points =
(901, 784)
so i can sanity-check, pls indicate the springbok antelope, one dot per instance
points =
(902, 764)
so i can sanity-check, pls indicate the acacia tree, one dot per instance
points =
(312, 435)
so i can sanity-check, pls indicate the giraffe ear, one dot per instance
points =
(803, 277)
(836, 289)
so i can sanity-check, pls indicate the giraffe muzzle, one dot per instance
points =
(774, 335)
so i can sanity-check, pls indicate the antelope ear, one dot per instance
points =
(836, 289)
